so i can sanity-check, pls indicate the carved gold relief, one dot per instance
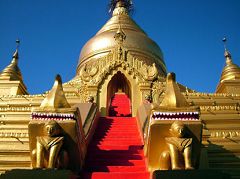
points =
(157, 91)
(13, 134)
(94, 73)
(219, 108)
(16, 109)
(81, 88)
(198, 94)
(225, 134)
(88, 71)
(120, 36)
(149, 72)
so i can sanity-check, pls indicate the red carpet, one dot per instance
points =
(120, 105)
(116, 151)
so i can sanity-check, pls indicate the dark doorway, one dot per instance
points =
(118, 84)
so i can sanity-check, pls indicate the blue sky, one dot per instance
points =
(52, 33)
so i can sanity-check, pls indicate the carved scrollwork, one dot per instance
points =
(225, 134)
(80, 86)
(94, 73)
(157, 90)
(84, 93)
(149, 72)
(88, 71)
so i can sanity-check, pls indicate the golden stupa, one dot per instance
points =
(121, 57)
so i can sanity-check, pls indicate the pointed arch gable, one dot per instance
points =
(134, 91)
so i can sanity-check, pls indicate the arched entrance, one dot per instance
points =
(118, 84)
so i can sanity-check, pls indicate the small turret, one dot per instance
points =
(230, 78)
(11, 81)
(56, 98)
(12, 71)
(173, 97)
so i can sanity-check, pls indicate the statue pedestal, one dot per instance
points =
(190, 174)
(38, 174)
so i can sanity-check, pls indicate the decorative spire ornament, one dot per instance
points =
(127, 4)
(225, 43)
(120, 36)
(18, 43)
(227, 54)
(15, 55)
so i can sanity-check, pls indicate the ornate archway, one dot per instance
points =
(99, 76)
(131, 88)
(118, 83)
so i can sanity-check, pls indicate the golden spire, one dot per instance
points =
(173, 97)
(231, 71)
(12, 71)
(56, 97)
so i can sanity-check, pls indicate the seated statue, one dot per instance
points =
(178, 156)
(48, 152)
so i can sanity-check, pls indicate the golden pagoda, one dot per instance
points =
(120, 59)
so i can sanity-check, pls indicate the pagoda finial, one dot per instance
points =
(227, 54)
(126, 4)
(56, 97)
(17, 43)
(225, 43)
(15, 55)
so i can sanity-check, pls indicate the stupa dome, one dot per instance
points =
(137, 42)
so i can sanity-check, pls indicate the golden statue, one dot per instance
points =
(48, 152)
(179, 152)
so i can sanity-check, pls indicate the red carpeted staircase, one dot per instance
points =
(120, 105)
(116, 151)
